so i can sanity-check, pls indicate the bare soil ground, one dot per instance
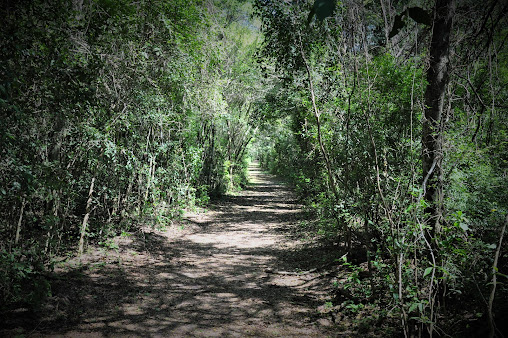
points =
(236, 270)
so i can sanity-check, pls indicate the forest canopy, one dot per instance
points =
(388, 118)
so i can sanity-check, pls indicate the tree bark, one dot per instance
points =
(18, 228)
(85, 219)
(492, 326)
(432, 138)
(432, 131)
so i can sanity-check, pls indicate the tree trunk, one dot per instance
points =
(317, 116)
(432, 134)
(85, 219)
(18, 228)
(492, 326)
(437, 78)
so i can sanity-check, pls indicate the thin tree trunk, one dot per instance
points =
(56, 206)
(437, 78)
(492, 327)
(18, 229)
(85, 219)
(148, 185)
(211, 150)
(386, 19)
(125, 201)
(318, 124)
(140, 194)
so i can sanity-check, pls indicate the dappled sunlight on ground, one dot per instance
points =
(217, 278)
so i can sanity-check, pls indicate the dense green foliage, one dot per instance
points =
(114, 114)
(120, 114)
(347, 108)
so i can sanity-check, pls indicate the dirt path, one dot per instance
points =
(232, 272)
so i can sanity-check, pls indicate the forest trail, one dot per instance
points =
(231, 272)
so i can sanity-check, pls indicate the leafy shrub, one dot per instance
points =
(22, 281)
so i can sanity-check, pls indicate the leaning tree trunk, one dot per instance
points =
(437, 78)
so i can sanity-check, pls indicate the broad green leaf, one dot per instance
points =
(427, 271)
(464, 226)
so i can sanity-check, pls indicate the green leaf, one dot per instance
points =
(464, 226)
(502, 275)
(427, 271)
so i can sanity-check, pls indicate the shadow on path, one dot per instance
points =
(220, 279)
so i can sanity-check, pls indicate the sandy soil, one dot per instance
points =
(233, 271)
